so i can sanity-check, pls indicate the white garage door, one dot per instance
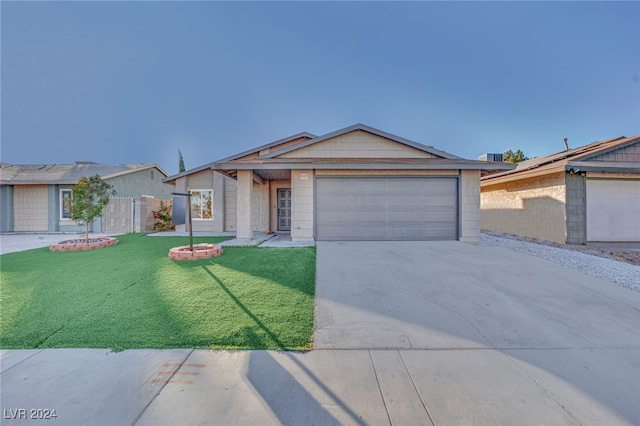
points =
(613, 210)
(387, 208)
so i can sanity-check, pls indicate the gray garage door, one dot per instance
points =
(387, 208)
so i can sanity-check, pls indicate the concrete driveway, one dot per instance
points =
(485, 324)
(432, 333)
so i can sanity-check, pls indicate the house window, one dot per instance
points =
(65, 204)
(151, 175)
(202, 204)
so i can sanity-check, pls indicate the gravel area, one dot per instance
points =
(614, 266)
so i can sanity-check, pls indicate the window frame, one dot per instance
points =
(62, 191)
(200, 191)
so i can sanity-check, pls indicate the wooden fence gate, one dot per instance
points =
(117, 217)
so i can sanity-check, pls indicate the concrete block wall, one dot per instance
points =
(533, 207)
(144, 208)
(302, 205)
(469, 206)
(576, 208)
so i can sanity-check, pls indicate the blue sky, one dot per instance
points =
(125, 82)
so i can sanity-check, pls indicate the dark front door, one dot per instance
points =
(284, 209)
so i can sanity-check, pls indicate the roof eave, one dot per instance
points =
(462, 165)
(177, 176)
(269, 145)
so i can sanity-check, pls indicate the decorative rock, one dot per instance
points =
(200, 251)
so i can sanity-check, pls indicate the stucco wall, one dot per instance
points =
(142, 183)
(302, 205)
(31, 207)
(533, 207)
(470, 206)
(358, 144)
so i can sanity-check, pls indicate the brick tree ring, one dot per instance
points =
(200, 251)
(82, 244)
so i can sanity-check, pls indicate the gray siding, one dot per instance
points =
(628, 153)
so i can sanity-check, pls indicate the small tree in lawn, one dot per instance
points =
(88, 198)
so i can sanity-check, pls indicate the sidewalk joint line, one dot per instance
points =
(416, 388)
(29, 357)
(384, 402)
(146, 407)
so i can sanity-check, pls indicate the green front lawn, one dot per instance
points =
(132, 296)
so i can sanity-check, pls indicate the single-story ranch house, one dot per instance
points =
(357, 183)
(590, 193)
(32, 197)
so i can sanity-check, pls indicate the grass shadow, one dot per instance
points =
(246, 310)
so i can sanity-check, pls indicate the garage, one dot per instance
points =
(612, 210)
(30, 203)
(389, 208)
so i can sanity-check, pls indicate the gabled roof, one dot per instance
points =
(270, 157)
(34, 174)
(365, 128)
(305, 135)
(564, 160)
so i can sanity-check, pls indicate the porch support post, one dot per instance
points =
(245, 189)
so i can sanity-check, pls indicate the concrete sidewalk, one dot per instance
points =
(201, 387)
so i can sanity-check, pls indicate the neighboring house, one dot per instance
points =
(34, 198)
(357, 183)
(590, 193)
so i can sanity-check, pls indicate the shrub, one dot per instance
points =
(162, 218)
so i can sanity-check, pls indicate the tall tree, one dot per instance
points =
(180, 163)
(514, 157)
(88, 198)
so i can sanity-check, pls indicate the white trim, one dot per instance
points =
(192, 190)
(62, 204)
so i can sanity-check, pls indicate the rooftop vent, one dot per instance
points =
(491, 157)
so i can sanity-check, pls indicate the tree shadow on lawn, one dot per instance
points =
(246, 310)
(296, 264)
